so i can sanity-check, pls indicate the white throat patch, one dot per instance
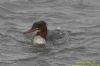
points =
(39, 40)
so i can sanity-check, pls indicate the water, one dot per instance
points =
(77, 39)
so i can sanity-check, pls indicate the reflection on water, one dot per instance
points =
(77, 39)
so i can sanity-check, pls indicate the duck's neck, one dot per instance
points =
(39, 40)
(42, 34)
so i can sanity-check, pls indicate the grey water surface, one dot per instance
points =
(78, 37)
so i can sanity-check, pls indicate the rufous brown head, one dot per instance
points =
(40, 27)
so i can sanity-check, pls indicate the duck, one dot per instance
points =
(43, 35)
(40, 28)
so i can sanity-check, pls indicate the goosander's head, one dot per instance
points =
(40, 28)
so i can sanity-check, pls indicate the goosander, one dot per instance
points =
(40, 28)
(43, 36)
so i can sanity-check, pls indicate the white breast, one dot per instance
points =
(39, 40)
